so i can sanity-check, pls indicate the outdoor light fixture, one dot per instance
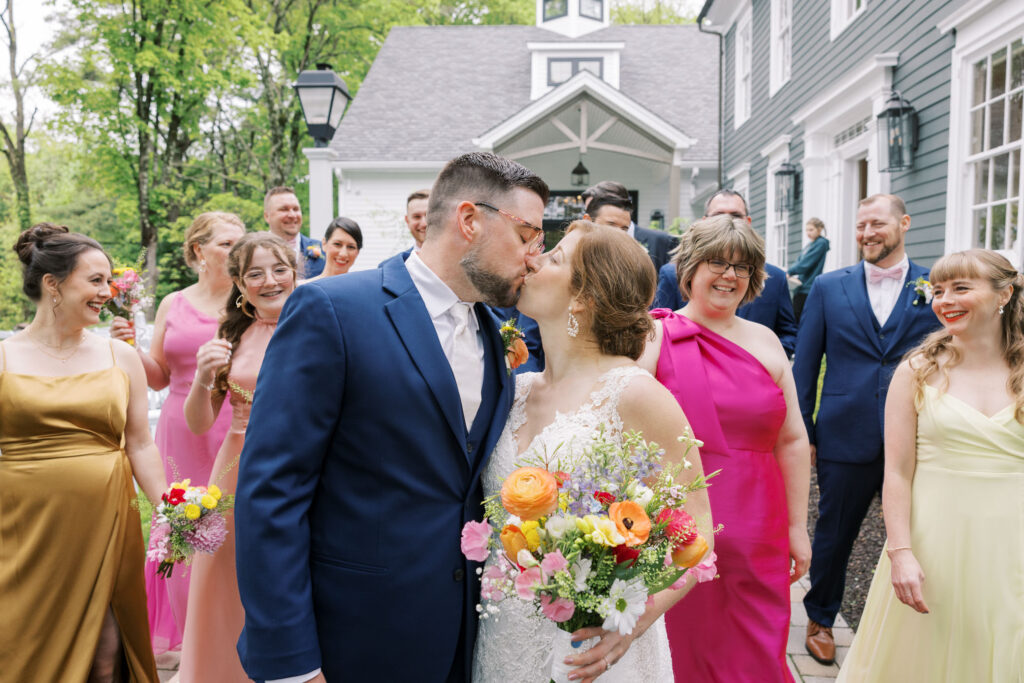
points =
(324, 98)
(897, 134)
(657, 220)
(787, 187)
(580, 175)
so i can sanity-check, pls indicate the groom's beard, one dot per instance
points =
(494, 289)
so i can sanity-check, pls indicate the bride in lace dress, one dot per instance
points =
(589, 296)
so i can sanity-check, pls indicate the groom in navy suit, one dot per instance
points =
(379, 401)
(863, 319)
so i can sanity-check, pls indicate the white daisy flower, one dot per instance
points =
(624, 605)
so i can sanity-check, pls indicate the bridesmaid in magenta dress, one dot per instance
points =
(263, 269)
(185, 320)
(732, 379)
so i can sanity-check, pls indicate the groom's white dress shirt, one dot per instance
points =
(458, 330)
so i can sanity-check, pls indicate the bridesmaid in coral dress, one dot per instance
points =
(733, 381)
(263, 270)
(185, 320)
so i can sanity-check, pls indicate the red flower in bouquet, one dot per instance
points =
(604, 498)
(626, 555)
(175, 496)
(682, 528)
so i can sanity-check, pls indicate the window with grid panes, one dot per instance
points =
(997, 95)
(742, 71)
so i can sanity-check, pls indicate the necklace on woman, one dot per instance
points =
(63, 359)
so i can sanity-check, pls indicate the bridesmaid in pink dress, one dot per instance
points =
(263, 269)
(185, 320)
(733, 380)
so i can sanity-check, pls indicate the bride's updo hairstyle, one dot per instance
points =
(614, 278)
(49, 248)
(937, 353)
(720, 237)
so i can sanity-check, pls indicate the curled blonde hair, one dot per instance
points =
(937, 353)
(201, 232)
(719, 237)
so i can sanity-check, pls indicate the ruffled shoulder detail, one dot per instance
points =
(677, 327)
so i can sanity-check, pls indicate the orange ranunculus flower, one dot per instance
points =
(631, 521)
(690, 555)
(513, 540)
(517, 353)
(530, 493)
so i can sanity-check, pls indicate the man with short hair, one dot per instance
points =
(283, 215)
(416, 216)
(863, 319)
(773, 308)
(609, 203)
(381, 397)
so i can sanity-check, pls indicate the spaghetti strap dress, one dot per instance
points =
(70, 540)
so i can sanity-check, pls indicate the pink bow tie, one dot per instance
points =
(878, 275)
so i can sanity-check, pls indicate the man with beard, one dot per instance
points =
(381, 397)
(863, 319)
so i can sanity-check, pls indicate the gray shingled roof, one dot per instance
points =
(432, 89)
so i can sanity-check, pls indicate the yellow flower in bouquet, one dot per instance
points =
(600, 530)
(531, 530)
(192, 511)
(208, 501)
(214, 491)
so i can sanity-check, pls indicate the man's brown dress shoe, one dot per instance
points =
(820, 643)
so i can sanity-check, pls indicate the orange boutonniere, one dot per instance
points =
(516, 352)
(313, 251)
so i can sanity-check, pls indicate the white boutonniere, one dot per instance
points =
(923, 290)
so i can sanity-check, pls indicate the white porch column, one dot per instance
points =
(321, 189)
(674, 187)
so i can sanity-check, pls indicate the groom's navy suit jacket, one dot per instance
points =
(355, 480)
(861, 356)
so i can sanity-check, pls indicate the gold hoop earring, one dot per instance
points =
(240, 302)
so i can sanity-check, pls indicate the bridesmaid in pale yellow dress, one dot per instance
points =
(262, 268)
(73, 432)
(947, 601)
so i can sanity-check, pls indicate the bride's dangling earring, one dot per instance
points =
(574, 325)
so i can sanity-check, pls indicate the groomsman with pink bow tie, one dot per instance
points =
(863, 319)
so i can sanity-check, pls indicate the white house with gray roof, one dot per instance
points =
(636, 104)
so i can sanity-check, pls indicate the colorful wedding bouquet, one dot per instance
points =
(128, 295)
(189, 519)
(590, 547)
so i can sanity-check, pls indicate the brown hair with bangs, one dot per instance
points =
(614, 278)
(937, 353)
(720, 237)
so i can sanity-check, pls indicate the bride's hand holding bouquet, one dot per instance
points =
(594, 550)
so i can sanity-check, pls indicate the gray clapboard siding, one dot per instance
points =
(922, 75)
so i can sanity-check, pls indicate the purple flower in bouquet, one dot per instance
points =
(209, 534)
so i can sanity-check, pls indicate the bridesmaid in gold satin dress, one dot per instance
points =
(73, 432)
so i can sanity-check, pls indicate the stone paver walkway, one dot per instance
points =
(802, 666)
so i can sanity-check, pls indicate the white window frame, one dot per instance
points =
(843, 13)
(776, 223)
(982, 29)
(781, 57)
(739, 181)
(742, 67)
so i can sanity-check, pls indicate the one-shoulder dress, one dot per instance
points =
(70, 540)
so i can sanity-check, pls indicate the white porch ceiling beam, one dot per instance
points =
(565, 130)
(546, 149)
(622, 149)
(583, 127)
(602, 130)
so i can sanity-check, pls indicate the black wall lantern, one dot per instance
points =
(580, 175)
(324, 98)
(787, 187)
(897, 134)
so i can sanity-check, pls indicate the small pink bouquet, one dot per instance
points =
(189, 519)
(128, 295)
(589, 545)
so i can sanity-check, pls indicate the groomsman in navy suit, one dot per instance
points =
(362, 459)
(772, 308)
(283, 214)
(609, 203)
(863, 319)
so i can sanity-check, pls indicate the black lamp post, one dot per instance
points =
(897, 134)
(657, 217)
(787, 187)
(580, 175)
(324, 98)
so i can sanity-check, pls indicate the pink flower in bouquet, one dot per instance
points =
(681, 527)
(554, 562)
(706, 570)
(490, 585)
(158, 550)
(557, 610)
(527, 580)
(209, 533)
(475, 536)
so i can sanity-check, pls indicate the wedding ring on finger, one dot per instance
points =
(606, 664)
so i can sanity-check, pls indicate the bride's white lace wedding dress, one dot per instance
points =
(516, 644)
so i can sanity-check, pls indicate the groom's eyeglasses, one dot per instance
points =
(536, 242)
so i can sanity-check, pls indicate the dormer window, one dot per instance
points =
(592, 9)
(561, 69)
(553, 9)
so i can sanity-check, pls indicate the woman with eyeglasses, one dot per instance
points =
(262, 269)
(733, 381)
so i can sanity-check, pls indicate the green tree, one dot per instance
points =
(651, 12)
(22, 76)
